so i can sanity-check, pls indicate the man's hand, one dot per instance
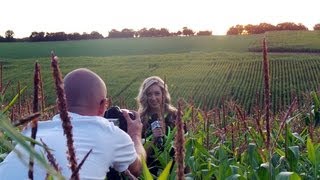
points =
(134, 125)
(134, 129)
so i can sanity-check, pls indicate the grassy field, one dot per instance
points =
(125, 47)
(221, 143)
(291, 41)
(205, 69)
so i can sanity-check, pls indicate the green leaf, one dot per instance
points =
(187, 115)
(293, 157)
(316, 108)
(311, 152)
(13, 100)
(252, 155)
(280, 152)
(235, 177)
(263, 171)
(224, 170)
(288, 176)
(201, 148)
(200, 117)
(145, 171)
(166, 172)
(296, 135)
(315, 99)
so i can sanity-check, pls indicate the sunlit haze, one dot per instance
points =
(24, 17)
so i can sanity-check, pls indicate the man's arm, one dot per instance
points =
(135, 132)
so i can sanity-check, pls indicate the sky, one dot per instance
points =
(26, 16)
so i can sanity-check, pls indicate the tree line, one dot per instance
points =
(124, 33)
(153, 32)
(265, 27)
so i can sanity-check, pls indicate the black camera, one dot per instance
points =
(115, 115)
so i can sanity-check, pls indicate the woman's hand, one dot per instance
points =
(157, 133)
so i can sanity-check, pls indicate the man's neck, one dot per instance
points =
(83, 111)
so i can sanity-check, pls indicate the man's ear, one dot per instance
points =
(103, 106)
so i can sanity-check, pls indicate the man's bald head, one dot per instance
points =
(84, 91)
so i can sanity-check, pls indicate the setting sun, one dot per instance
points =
(24, 17)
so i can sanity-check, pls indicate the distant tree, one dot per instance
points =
(264, 27)
(143, 32)
(235, 30)
(290, 26)
(56, 36)
(85, 36)
(302, 27)
(258, 29)
(60, 36)
(204, 33)
(35, 36)
(49, 36)
(95, 35)
(187, 32)
(127, 33)
(164, 32)
(232, 31)
(153, 32)
(178, 33)
(251, 29)
(114, 33)
(9, 35)
(2, 39)
(316, 27)
(74, 36)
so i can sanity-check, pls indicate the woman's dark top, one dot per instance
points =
(152, 162)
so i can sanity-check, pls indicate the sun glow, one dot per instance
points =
(81, 16)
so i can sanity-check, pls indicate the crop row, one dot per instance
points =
(207, 79)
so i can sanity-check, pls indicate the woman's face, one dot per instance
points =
(154, 96)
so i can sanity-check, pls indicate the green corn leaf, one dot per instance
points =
(263, 171)
(166, 172)
(200, 148)
(200, 117)
(293, 157)
(188, 148)
(316, 108)
(311, 152)
(223, 163)
(145, 171)
(252, 155)
(13, 100)
(288, 176)
(296, 135)
(187, 114)
(235, 177)
(280, 152)
(208, 174)
(315, 99)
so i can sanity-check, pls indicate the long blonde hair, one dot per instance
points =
(142, 96)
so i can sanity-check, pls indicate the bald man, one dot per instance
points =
(111, 147)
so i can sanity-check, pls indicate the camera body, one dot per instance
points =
(115, 115)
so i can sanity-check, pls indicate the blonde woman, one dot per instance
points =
(156, 113)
